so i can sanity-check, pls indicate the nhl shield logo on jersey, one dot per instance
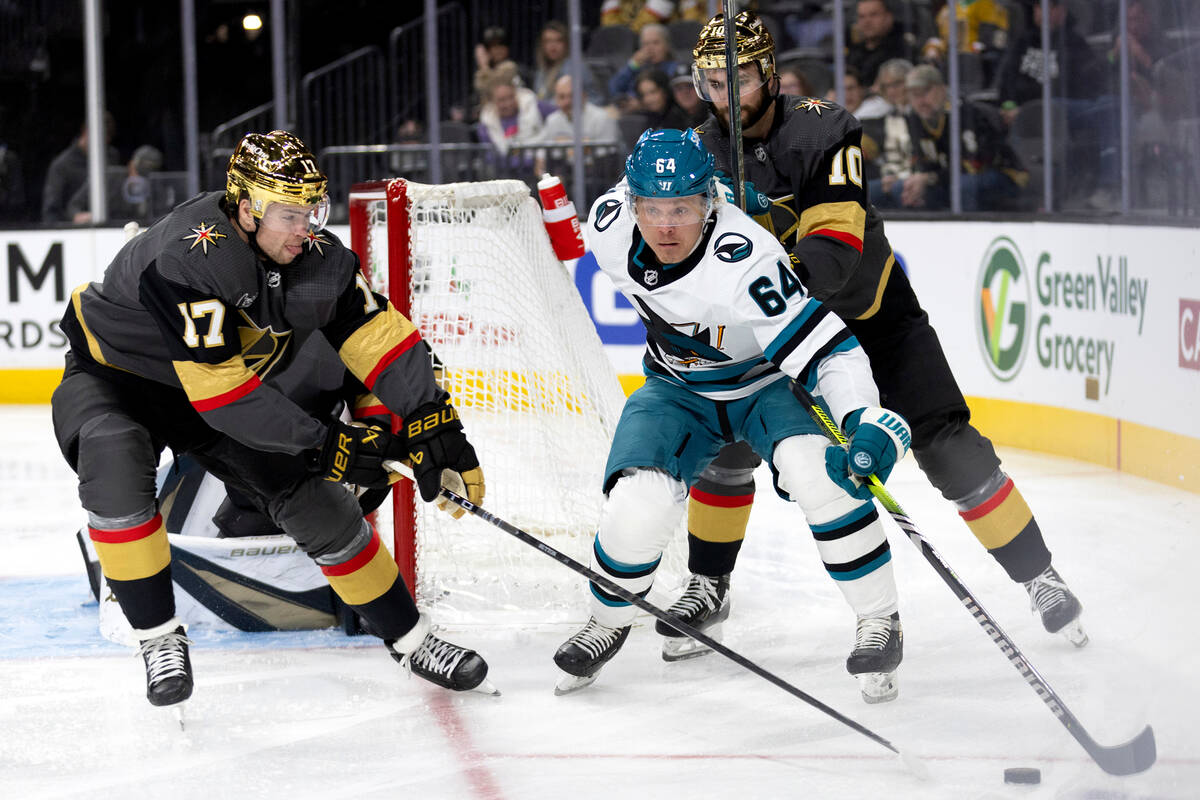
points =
(732, 247)
(204, 235)
(650, 277)
(607, 214)
(273, 279)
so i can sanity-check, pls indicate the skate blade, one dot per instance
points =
(572, 683)
(681, 648)
(1074, 633)
(486, 687)
(878, 687)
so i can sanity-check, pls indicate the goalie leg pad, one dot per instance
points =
(636, 523)
(849, 534)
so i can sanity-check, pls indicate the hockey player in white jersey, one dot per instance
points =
(727, 324)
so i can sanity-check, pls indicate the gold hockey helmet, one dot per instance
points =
(755, 45)
(276, 167)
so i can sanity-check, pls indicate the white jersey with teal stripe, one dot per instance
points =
(732, 317)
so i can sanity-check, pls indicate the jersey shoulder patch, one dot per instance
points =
(732, 247)
(605, 212)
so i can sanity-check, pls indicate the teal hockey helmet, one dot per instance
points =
(669, 163)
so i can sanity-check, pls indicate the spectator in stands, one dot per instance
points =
(860, 100)
(896, 151)
(598, 124)
(69, 170)
(874, 38)
(793, 81)
(809, 25)
(492, 53)
(1147, 44)
(553, 61)
(637, 14)
(128, 192)
(991, 173)
(510, 118)
(599, 128)
(654, 50)
(1076, 72)
(658, 102)
(982, 30)
(1081, 84)
(684, 92)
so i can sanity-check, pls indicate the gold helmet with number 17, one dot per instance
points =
(276, 169)
(755, 46)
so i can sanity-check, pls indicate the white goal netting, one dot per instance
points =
(538, 396)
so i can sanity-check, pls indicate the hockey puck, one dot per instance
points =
(1022, 775)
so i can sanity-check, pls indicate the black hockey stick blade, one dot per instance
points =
(1136, 755)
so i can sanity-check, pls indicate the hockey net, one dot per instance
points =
(471, 265)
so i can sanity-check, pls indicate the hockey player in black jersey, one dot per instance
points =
(803, 170)
(171, 349)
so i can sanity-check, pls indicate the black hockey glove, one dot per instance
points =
(434, 441)
(354, 454)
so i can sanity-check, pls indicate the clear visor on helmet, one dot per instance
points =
(712, 87)
(669, 212)
(295, 217)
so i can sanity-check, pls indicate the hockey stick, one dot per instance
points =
(1136, 755)
(687, 630)
(737, 165)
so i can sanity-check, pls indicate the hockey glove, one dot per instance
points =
(756, 202)
(434, 441)
(354, 454)
(878, 438)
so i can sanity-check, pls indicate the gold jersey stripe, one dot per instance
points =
(883, 279)
(846, 217)
(92, 343)
(373, 341)
(203, 382)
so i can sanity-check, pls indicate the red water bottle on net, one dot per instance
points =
(562, 222)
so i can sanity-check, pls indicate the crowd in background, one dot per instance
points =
(637, 75)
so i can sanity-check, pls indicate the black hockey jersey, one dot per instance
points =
(811, 166)
(189, 304)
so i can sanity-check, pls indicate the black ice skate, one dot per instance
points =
(168, 667)
(441, 662)
(1057, 607)
(582, 656)
(704, 605)
(878, 650)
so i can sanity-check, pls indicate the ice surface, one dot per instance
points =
(320, 715)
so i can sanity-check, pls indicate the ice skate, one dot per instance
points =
(438, 661)
(582, 656)
(704, 605)
(164, 649)
(878, 650)
(1056, 606)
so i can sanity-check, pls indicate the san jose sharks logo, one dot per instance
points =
(607, 213)
(732, 247)
(672, 342)
(204, 235)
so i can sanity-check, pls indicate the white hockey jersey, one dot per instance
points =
(732, 317)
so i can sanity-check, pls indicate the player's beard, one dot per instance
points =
(750, 116)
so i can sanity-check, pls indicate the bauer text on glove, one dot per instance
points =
(353, 454)
(433, 441)
(877, 439)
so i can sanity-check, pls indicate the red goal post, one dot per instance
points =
(471, 265)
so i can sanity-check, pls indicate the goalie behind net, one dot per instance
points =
(537, 394)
